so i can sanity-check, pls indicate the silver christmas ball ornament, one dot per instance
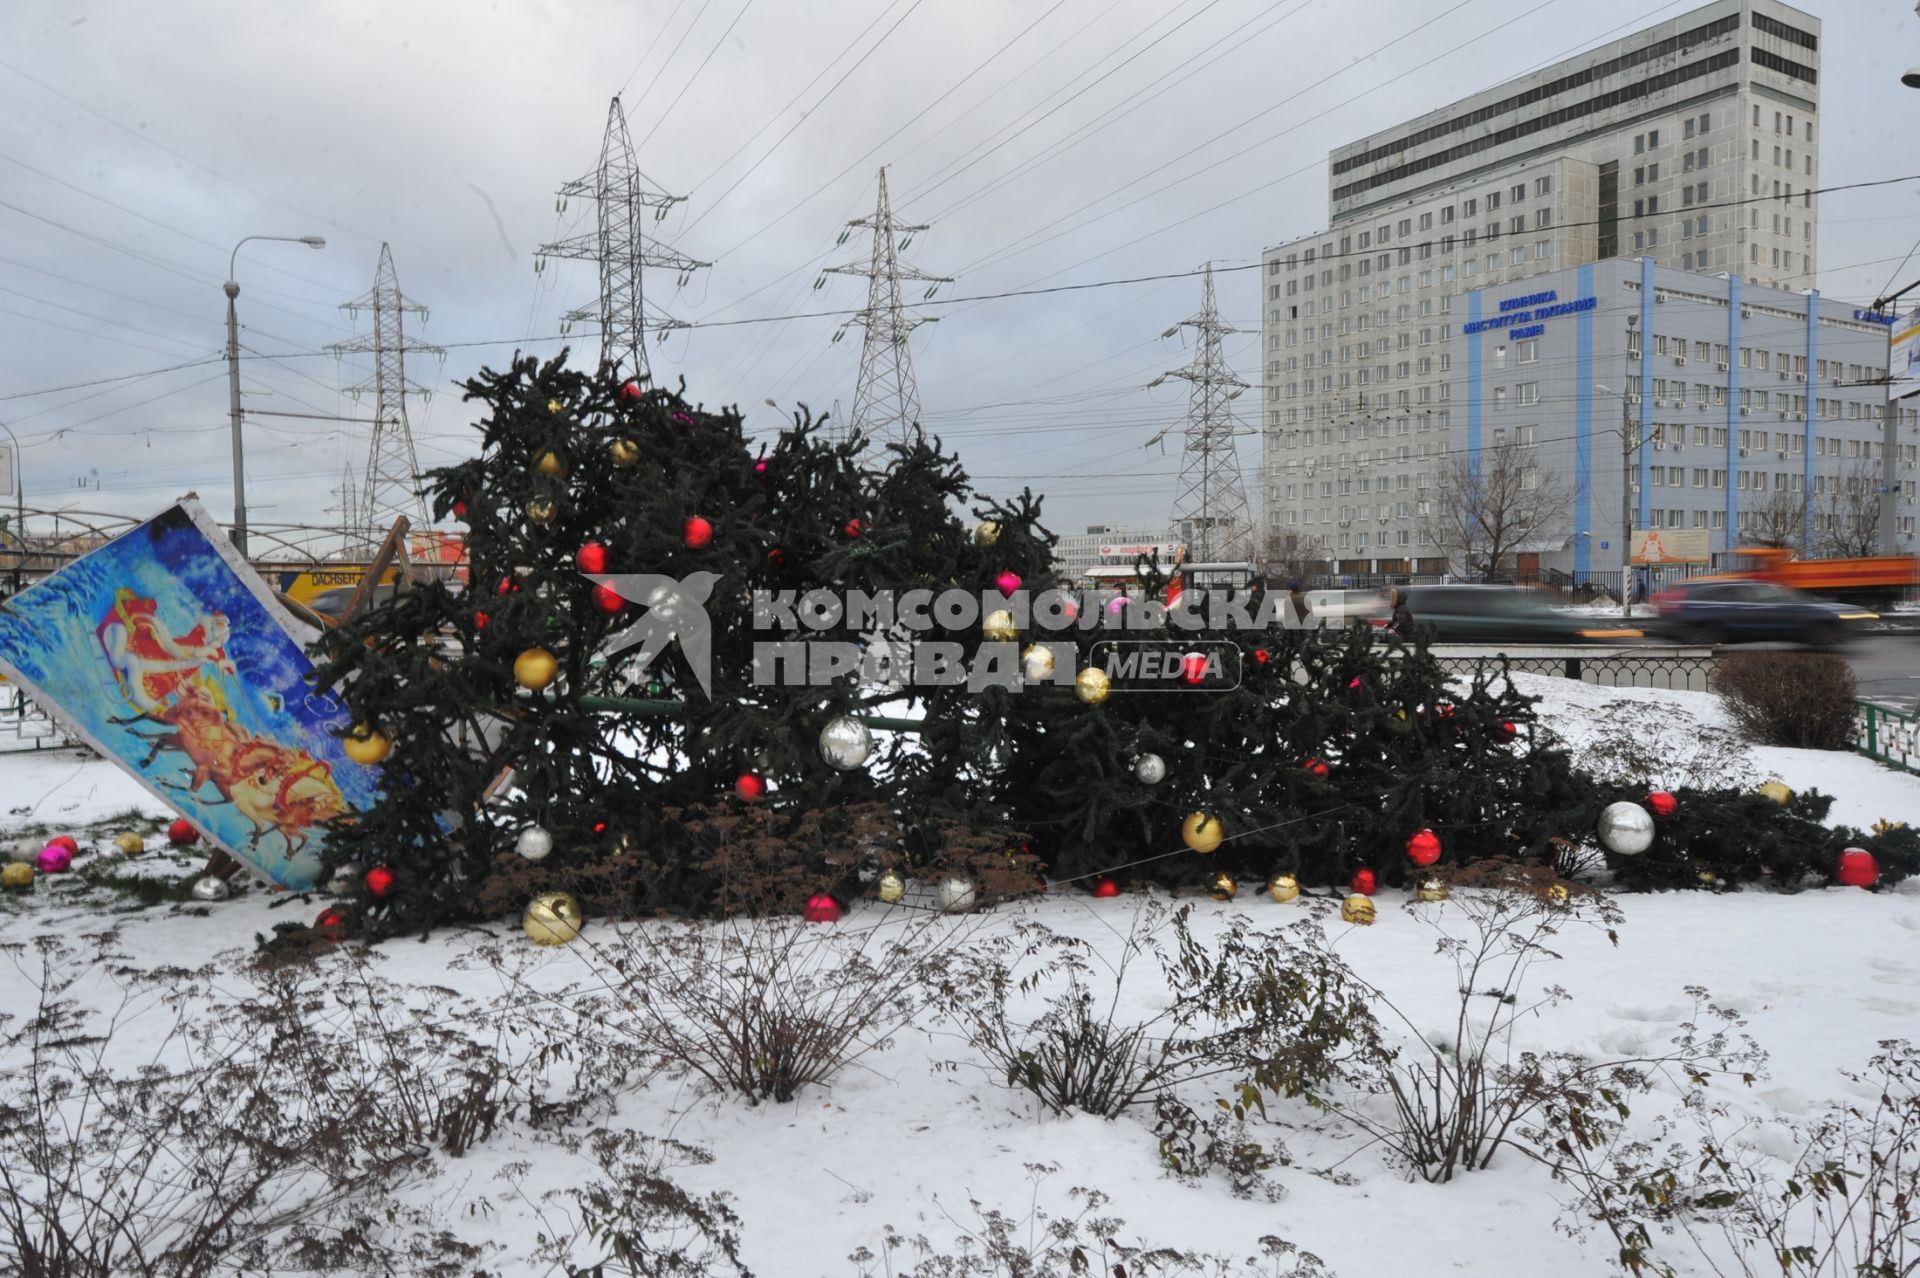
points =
(345, 880)
(1626, 828)
(1150, 769)
(209, 888)
(846, 743)
(955, 896)
(534, 843)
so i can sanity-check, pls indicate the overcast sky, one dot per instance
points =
(1048, 142)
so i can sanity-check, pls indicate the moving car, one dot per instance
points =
(1725, 611)
(332, 604)
(1500, 614)
(1340, 608)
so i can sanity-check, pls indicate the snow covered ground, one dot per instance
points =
(906, 1138)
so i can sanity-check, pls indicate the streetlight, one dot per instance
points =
(233, 381)
(1630, 442)
(19, 509)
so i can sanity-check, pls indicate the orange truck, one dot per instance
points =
(1873, 582)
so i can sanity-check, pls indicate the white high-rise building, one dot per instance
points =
(1693, 143)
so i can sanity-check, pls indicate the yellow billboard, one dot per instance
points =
(304, 587)
(1671, 546)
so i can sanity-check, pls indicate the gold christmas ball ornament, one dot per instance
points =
(1092, 686)
(550, 464)
(366, 745)
(624, 452)
(1357, 909)
(1283, 888)
(552, 918)
(987, 533)
(1221, 887)
(1036, 663)
(1558, 894)
(555, 407)
(999, 625)
(541, 511)
(1779, 791)
(1202, 831)
(1433, 890)
(891, 887)
(536, 668)
(16, 876)
(129, 844)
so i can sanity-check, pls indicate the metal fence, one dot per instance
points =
(1890, 736)
(24, 725)
(1679, 670)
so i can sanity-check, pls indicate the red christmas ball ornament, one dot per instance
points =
(459, 510)
(379, 882)
(592, 558)
(1193, 668)
(1506, 731)
(1353, 685)
(821, 908)
(1106, 888)
(1363, 882)
(749, 786)
(1316, 766)
(480, 620)
(630, 391)
(507, 586)
(182, 833)
(599, 827)
(608, 600)
(761, 468)
(1261, 656)
(1444, 710)
(697, 532)
(1662, 803)
(332, 924)
(776, 558)
(853, 529)
(1423, 848)
(66, 841)
(1856, 867)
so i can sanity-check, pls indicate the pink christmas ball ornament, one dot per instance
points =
(53, 859)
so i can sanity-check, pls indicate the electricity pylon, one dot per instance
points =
(1211, 506)
(886, 403)
(392, 484)
(352, 536)
(621, 193)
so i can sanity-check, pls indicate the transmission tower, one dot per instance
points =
(392, 484)
(1211, 507)
(621, 193)
(886, 403)
(352, 535)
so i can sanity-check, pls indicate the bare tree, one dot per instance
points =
(1293, 556)
(1849, 520)
(1485, 507)
(1777, 521)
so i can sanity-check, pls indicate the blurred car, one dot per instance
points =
(1735, 611)
(1500, 614)
(1339, 608)
(332, 604)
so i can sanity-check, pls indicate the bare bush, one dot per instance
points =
(636, 1221)
(758, 1006)
(1455, 1098)
(1081, 1241)
(1801, 699)
(1052, 1015)
(258, 1131)
(1846, 1205)
(1623, 749)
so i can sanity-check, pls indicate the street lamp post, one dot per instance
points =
(1630, 442)
(19, 510)
(233, 381)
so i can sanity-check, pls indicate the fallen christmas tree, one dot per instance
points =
(598, 712)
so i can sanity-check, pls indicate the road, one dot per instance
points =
(1887, 668)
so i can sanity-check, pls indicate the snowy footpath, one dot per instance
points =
(910, 1137)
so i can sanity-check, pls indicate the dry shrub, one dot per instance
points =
(1802, 699)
